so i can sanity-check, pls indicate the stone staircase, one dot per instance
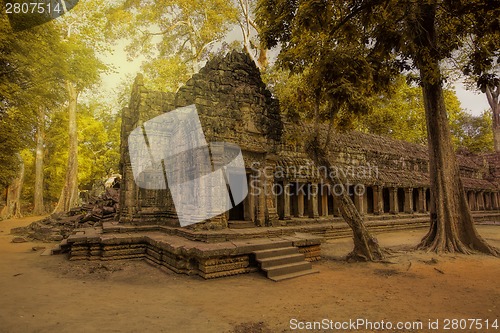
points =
(283, 263)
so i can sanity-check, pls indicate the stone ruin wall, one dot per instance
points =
(233, 106)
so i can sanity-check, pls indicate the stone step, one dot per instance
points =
(275, 271)
(281, 260)
(241, 224)
(275, 252)
(294, 275)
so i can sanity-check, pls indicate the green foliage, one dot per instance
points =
(35, 67)
(28, 156)
(292, 91)
(27, 80)
(166, 74)
(341, 72)
(10, 143)
(354, 49)
(401, 115)
(176, 36)
(98, 148)
(474, 133)
(99, 145)
(81, 66)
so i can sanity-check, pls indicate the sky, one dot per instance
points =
(473, 102)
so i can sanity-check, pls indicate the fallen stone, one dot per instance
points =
(19, 240)
(56, 238)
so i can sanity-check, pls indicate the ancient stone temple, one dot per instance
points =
(386, 176)
(234, 106)
(279, 225)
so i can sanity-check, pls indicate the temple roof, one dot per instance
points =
(379, 160)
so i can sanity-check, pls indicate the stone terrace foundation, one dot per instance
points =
(172, 248)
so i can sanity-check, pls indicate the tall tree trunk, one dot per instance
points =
(262, 61)
(245, 24)
(69, 193)
(39, 208)
(493, 96)
(452, 228)
(13, 203)
(366, 247)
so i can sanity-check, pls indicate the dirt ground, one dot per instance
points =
(51, 294)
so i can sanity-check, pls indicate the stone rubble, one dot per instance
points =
(59, 226)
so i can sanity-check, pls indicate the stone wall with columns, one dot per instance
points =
(234, 106)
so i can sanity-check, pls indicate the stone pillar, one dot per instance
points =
(251, 202)
(494, 199)
(408, 201)
(130, 193)
(359, 202)
(378, 200)
(364, 196)
(248, 202)
(421, 200)
(261, 201)
(393, 200)
(480, 200)
(488, 200)
(471, 198)
(324, 201)
(300, 201)
(216, 186)
(271, 211)
(313, 201)
(286, 200)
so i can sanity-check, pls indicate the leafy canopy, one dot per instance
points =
(354, 49)
(175, 36)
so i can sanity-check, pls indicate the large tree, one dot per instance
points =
(29, 83)
(328, 78)
(409, 35)
(491, 87)
(80, 68)
(250, 30)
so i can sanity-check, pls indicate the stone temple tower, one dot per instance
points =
(234, 106)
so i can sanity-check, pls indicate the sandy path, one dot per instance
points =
(52, 294)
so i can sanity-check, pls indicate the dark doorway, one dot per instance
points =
(237, 213)
(415, 199)
(428, 199)
(321, 193)
(386, 196)
(369, 200)
(401, 200)
(331, 205)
